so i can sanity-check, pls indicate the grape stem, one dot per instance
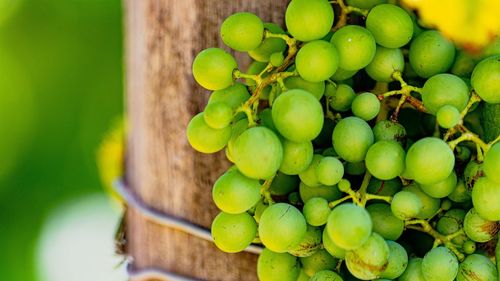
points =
(265, 190)
(336, 202)
(364, 186)
(467, 135)
(345, 10)
(292, 48)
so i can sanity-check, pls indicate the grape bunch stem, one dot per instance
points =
(345, 10)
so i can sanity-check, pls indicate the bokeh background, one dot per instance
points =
(61, 89)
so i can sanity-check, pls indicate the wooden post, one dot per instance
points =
(162, 38)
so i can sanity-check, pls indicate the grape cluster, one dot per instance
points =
(364, 150)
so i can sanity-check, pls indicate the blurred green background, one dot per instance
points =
(61, 87)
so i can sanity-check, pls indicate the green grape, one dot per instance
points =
(344, 185)
(446, 204)
(385, 62)
(331, 247)
(205, 139)
(473, 171)
(321, 260)
(259, 209)
(463, 65)
(479, 229)
(370, 260)
(326, 275)
(457, 92)
(384, 188)
(277, 59)
(431, 53)
(460, 194)
(294, 198)
(310, 244)
(351, 139)
(365, 4)
(429, 205)
(316, 211)
(390, 130)
(315, 88)
(318, 14)
(355, 45)
(349, 226)
(355, 169)
(234, 193)
(269, 46)
(440, 264)
(317, 60)
(242, 31)
(485, 78)
(330, 193)
(298, 116)
(486, 198)
(384, 221)
(450, 223)
(469, 247)
(413, 271)
(448, 116)
(234, 95)
(213, 69)
(218, 115)
(303, 276)
(442, 188)
(390, 25)
(430, 160)
(491, 163)
(236, 130)
(342, 74)
(258, 153)
(232, 233)
(283, 184)
(385, 159)
(297, 156)
(309, 175)
(477, 267)
(266, 120)
(342, 98)
(365, 106)
(273, 266)
(462, 154)
(282, 227)
(398, 260)
(406, 205)
(329, 171)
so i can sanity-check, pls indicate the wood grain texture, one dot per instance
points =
(162, 38)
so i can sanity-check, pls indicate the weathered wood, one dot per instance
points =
(162, 37)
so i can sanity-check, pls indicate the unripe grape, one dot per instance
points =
(355, 45)
(391, 26)
(317, 60)
(448, 116)
(365, 106)
(213, 69)
(485, 79)
(242, 31)
(308, 20)
(218, 115)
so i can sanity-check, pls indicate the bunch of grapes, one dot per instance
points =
(364, 150)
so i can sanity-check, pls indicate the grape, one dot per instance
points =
(213, 69)
(429, 205)
(442, 188)
(218, 115)
(232, 233)
(234, 193)
(398, 260)
(448, 116)
(391, 26)
(460, 194)
(308, 20)
(331, 247)
(283, 184)
(297, 156)
(464, 64)
(326, 275)
(329, 171)
(344, 185)
(486, 198)
(365, 106)
(294, 198)
(384, 188)
(384, 221)
(205, 139)
(242, 31)
(355, 45)
(389, 130)
(303, 276)
(491, 163)
(321, 260)
(370, 260)
(450, 223)
(236, 130)
(351, 139)
(342, 97)
(317, 60)
(315, 88)
(457, 92)
(342, 74)
(310, 244)
(430, 160)
(309, 176)
(258, 153)
(355, 169)
(413, 271)
(439, 264)
(349, 226)
(406, 205)
(431, 53)
(385, 159)
(234, 95)
(385, 62)
(259, 209)
(365, 4)
(282, 227)
(479, 229)
(330, 193)
(277, 59)
(269, 46)
(477, 267)
(485, 79)
(469, 247)
(473, 171)
(316, 211)
(298, 116)
(277, 266)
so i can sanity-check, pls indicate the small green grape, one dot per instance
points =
(297, 156)
(310, 244)
(342, 97)
(365, 106)
(232, 233)
(318, 14)
(242, 31)
(213, 69)
(406, 205)
(351, 139)
(321, 260)
(390, 130)
(344, 185)
(385, 62)
(355, 45)
(469, 247)
(456, 89)
(349, 226)
(385, 159)
(316, 211)
(234, 193)
(277, 59)
(205, 139)
(384, 221)
(391, 26)
(218, 115)
(448, 116)
(234, 95)
(440, 264)
(329, 171)
(317, 60)
(485, 78)
(270, 265)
